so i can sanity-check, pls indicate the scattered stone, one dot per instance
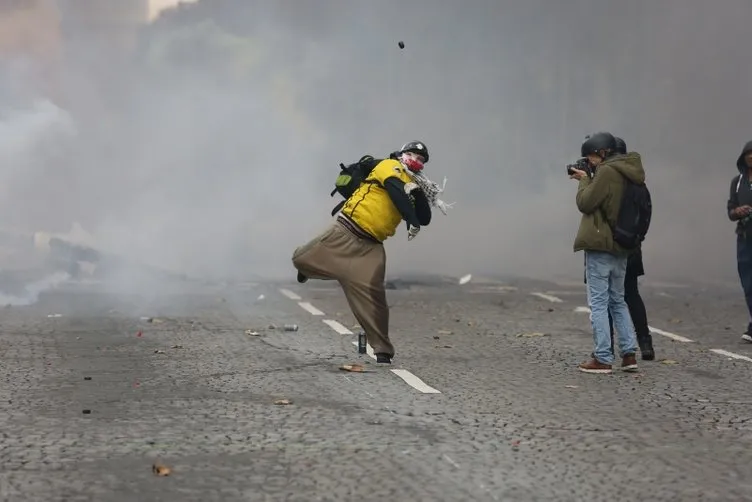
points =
(531, 335)
(161, 470)
(355, 368)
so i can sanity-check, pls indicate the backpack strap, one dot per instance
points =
(338, 207)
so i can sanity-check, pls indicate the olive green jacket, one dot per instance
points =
(599, 199)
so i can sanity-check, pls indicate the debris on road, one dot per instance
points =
(291, 327)
(444, 332)
(87, 378)
(54, 315)
(282, 402)
(465, 279)
(436, 337)
(531, 335)
(161, 470)
(86, 412)
(401, 44)
(260, 297)
(250, 332)
(355, 368)
(443, 346)
(572, 386)
(668, 361)
(159, 351)
(177, 347)
(139, 334)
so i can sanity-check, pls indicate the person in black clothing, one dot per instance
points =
(632, 296)
(739, 209)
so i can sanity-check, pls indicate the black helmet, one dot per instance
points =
(416, 147)
(598, 141)
(621, 146)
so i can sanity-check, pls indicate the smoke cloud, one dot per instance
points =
(207, 141)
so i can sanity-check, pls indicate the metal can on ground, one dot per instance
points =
(291, 327)
(362, 343)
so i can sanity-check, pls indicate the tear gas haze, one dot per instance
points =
(206, 141)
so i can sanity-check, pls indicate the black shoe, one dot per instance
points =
(384, 358)
(646, 349)
(302, 278)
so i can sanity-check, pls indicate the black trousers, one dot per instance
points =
(634, 302)
(744, 266)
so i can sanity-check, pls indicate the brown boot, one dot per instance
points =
(629, 362)
(594, 366)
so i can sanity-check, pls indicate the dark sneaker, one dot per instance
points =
(383, 358)
(646, 350)
(302, 278)
(594, 366)
(629, 362)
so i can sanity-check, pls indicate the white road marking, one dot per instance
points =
(290, 294)
(449, 459)
(550, 298)
(731, 355)
(667, 334)
(415, 382)
(336, 326)
(657, 331)
(310, 308)
(409, 378)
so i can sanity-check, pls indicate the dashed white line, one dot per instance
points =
(731, 355)
(415, 382)
(410, 379)
(290, 294)
(667, 334)
(310, 308)
(550, 298)
(336, 326)
(657, 331)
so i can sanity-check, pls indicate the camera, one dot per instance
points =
(581, 164)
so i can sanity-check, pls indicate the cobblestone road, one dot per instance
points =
(512, 418)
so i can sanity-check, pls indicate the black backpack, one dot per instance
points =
(351, 177)
(634, 217)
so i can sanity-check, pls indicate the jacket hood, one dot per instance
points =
(741, 165)
(630, 165)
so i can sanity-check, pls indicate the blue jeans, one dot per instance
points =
(605, 286)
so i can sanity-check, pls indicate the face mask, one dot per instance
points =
(412, 161)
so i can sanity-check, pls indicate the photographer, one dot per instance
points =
(632, 296)
(599, 199)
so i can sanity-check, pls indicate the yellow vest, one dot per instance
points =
(370, 206)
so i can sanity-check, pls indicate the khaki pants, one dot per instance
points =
(359, 264)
